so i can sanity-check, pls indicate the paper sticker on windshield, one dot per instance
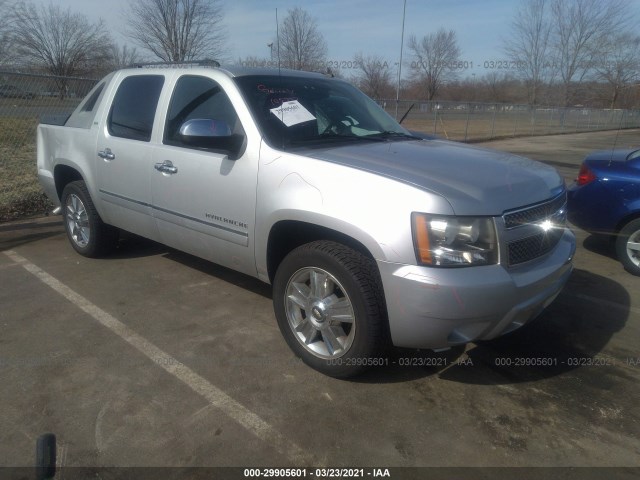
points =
(292, 113)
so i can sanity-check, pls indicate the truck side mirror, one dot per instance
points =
(212, 134)
(205, 128)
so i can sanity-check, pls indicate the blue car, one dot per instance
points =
(605, 199)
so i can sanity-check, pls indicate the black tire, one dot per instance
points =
(629, 258)
(88, 234)
(355, 288)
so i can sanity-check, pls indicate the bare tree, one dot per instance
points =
(529, 45)
(618, 64)
(302, 46)
(178, 30)
(436, 60)
(497, 86)
(580, 28)
(6, 49)
(375, 77)
(123, 56)
(61, 42)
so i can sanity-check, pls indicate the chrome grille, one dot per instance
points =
(536, 213)
(529, 248)
(535, 231)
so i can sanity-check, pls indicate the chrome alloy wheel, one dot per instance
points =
(320, 313)
(77, 221)
(633, 248)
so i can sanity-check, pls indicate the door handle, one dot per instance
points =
(107, 154)
(166, 167)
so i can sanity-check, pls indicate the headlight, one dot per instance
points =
(454, 241)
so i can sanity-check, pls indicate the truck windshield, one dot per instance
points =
(303, 112)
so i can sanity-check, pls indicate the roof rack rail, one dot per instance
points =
(207, 62)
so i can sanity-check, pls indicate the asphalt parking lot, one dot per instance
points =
(155, 358)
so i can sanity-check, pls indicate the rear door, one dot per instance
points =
(204, 196)
(124, 154)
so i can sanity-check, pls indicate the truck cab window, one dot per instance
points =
(199, 98)
(134, 107)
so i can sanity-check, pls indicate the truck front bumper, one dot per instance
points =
(440, 307)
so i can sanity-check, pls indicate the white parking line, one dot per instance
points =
(216, 397)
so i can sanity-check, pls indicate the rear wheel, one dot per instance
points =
(330, 308)
(88, 234)
(628, 246)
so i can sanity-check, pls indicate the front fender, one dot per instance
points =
(371, 209)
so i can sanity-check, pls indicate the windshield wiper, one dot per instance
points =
(335, 136)
(393, 134)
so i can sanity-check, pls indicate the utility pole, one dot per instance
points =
(404, 11)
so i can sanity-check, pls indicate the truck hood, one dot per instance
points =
(475, 181)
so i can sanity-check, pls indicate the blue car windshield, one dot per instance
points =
(302, 112)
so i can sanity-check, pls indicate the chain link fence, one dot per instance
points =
(25, 98)
(471, 122)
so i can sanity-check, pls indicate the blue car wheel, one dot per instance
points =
(628, 246)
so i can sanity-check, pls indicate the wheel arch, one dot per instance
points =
(626, 219)
(286, 235)
(63, 175)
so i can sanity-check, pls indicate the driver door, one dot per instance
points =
(204, 197)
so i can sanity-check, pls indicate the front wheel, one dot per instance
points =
(330, 308)
(628, 246)
(88, 234)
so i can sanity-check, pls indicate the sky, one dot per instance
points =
(372, 27)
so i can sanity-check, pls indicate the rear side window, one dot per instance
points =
(85, 114)
(134, 107)
(90, 103)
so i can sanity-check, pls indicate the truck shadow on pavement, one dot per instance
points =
(222, 273)
(133, 246)
(571, 334)
(601, 245)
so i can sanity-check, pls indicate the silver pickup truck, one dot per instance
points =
(370, 235)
